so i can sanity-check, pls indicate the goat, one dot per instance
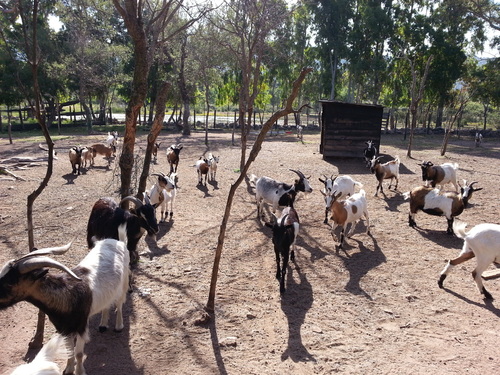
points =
(44, 362)
(348, 211)
(173, 156)
(202, 169)
(106, 151)
(69, 300)
(212, 164)
(156, 147)
(273, 192)
(107, 216)
(75, 157)
(112, 139)
(478, 139)
(300, 132)
(343, 184)
(369, 152)
(285, 231)
(482, 242)
(163, 192)
(439, 174)
(385, 171)
(433, 202)
(88, 155)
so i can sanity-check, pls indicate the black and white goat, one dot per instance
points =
(173, 156)
(164, 192)
(75, 157)
(385, 171)
(433, 202)
(369, 152)
(107, 216)
(439, 174)
(482, 242)
(349, 211)
(99, 281)
(285, 231)
(334, 185)
(274, 193)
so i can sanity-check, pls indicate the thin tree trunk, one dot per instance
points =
(253, 154)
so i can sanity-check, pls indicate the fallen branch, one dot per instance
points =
(5, 171)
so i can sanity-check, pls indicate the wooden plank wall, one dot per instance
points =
(346, 127)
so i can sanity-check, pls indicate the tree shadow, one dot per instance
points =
(295, 303)
(359, 264)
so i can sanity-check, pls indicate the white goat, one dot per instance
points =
(100, 280)
(439, 174)
(384, 171)
(164, 192)
(482, 242)
(212, 164)
(348, 211)
(340, 184)
(112, 138)
(44, 362)
(274, 192)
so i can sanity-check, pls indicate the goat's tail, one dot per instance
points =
(122, 233)
(253, 178)
(358, 184)
(396, 159)
(459, 229)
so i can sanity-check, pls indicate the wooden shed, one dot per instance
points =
(345, 127)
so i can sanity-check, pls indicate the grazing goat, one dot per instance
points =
(173, 156)
(340, 184)
(106, 151)
(156, 147)
(107, 216)
(70, 299)
(369, 152)
(88, 155)
(212, 164)
(75, 157)
(439, 174)
(44, 362)
(385, 171)
(202, 169)
(433, 202)
(285, 231)
(273, 192)
(349, 211)
(482, 242)
(164, 192)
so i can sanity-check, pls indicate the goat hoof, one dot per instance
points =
(118, 330)
(103, 329)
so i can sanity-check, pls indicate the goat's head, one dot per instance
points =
(145, 212)
(281, 239)
(302, 184)
(328, 182)
(374, 162)
(467, 190)
(162, 179)
(369, 144)
(425, 165)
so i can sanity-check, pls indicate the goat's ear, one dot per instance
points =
(474, 189)
(320, 180)
(270, 225)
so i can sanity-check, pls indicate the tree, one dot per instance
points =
(288, 109)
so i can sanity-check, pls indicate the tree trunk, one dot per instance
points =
(210, 307)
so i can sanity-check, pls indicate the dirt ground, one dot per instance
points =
(374, 308)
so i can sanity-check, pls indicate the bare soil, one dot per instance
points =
(374, 308)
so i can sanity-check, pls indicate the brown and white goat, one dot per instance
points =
(202, 168)
(173, 156)
(349, 211)
(433, 202)
(385, 171)
(88, 155)
(439, 174)
(75, 157)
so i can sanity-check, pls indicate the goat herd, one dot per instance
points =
(102, 278)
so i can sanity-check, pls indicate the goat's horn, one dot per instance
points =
(31, 264)
(132, 199)
(300, 174)
(160, 174)
(47, 251)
